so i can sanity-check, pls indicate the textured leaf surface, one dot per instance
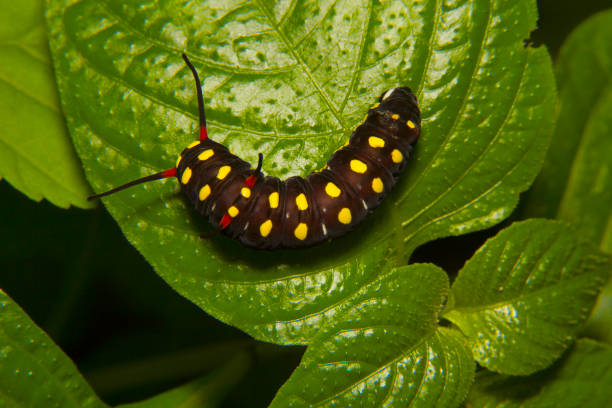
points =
(580, 380)
(576, 181)
(386, 350)
(34, 372)
(291, 80)
(523, 295)
(36, 154)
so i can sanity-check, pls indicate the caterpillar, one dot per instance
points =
(267, 213)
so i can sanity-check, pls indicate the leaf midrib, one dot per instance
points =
(392, 365)
(514, 299)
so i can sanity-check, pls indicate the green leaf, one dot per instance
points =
(580, 380)
(585, 75)
(599, 326)
(386, 350)
(34, 372)
(587, 198)
(292, 80)
(576, 182)
(36, 154)
(521, 298)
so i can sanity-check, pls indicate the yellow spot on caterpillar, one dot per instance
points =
(410, 124)
(301, 202)
(344, 216)
(395, 116)
(265, 228)
(376, 105)
(206, 154)
(377, 185)
(301, 231)
(186, 176)
(204, 192)
(223, 172)
(178, 161)
(358, 166)
(396, 156)
(376, 142)
(245, 192)
(332, 190)
(232, 211)
(194, 144)
(273, 200)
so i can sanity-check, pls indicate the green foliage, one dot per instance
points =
(36, 156)
(575, 183)
(34, 372)
(386, 350)
(291, 80)
(511, 298)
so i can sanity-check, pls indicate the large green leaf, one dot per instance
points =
(581, 379)
(36, 155)
(587, 198)
(291, 80)
(575, 184)
(34, 372)
(386, 350)
(584, 73)
(521, 298)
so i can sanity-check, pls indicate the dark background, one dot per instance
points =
(130, 334)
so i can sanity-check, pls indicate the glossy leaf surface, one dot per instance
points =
(386, 350)
(521, 298)
(291, 80)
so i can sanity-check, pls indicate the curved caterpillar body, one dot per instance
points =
(268, 213)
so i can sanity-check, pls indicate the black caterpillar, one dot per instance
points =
(265, 212)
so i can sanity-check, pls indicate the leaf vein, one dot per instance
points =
(305, 69)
